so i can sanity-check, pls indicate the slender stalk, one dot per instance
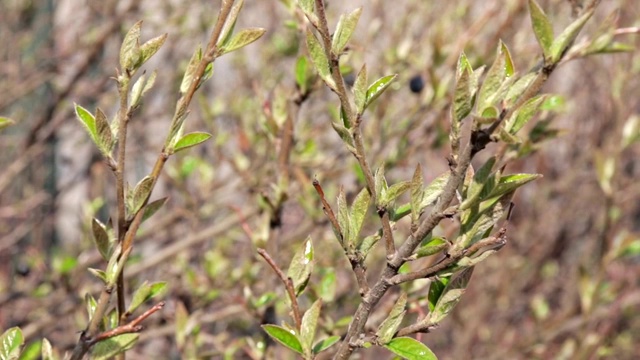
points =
(288, 284)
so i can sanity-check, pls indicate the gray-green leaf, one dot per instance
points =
(242, 39)
(390, 325)
(301, 266)
(344, 30)
(542, 28)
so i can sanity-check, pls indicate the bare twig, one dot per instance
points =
(288, 283)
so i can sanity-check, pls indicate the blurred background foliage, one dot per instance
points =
(565, 286)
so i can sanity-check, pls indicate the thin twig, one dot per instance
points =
(288, 283)
(131, 327)
(326, 208)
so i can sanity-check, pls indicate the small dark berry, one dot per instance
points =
(416, 84)
(349, 79)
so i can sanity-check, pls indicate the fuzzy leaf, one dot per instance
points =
(103, 133)
(390, 325)
(519, 87)
(190, 140)
(378, 87)
(410, 349)
(189, 73)
(130, 54)
(499, 71)
(433, 191)
(451, 295)
(463, 96)
(100, 274)
(542, 28)
(284, 337)
(344, 218)
(433, 247)
(141, 87)
(394, 191)
(101, 237)
(508, 183)
(524, 114)
(360, 89)
(46, 350)
(11, 341)
(344, 30)
(242, 39)
(319, 58)
(324, 344)
(358, 213)
(566, 38)
(145, 292)
(309, 325)
(230, 24)
(111, 347)
(416, 194)
(477, 184)
(301, 266)
(380, 182)
(141, 193)
(153, 207)
(149, 48)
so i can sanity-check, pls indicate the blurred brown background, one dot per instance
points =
(565, 286)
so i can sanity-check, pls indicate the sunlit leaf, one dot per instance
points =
(433, 191)
(390, 325)
(309, 325)
(416, 194)
(319, 58)
(111, 347)
(130, 54)
(542, 28)
(524, 114)
(360, 89)
(11, 341)
(190, 140)
(410, 349)
(566, 38)
(344, 30)
(451, 295)
(149, 48)
(242, 39)
(324, 344)
(359, 212)
(101, 237)
(284, 337)
(153, 207)
(434, 246)
(378, 87)
(229, 24)
(145, 292)
(88, 120)
(5, 122)
(301, 266)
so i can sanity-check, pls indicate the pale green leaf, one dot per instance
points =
(417, 194)
(302, 74)
(141, 193)
(434, 246)
(344, 30)
(463, 96)
(5, 122)
(130, 54)
(524, 114)
(103, 133)
(301, 266)
(153, 207)
(309, 325)
(358, 213)
(542, 28)
(360, 89)
(433, 191)
(518, 88)
(319, 58)
(111, 347)
(451, 295)
(344, 218)
(145, 292)
(47, 350)
(390, 325)
(324, 344)
(149, 48)
(189, 73)
(497, 74)
(242, 39)
(230, 23)
(88, 121)
(566, 38)
(101, 237)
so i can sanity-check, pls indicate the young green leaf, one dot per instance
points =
(324, 344)
(497, 74)
(11, 341)
(518, 88)
(410, 349)
(141, 193)
(477, 184)
(145, 292)
(5, 122)
(344, 30)
(302, 76)
(508, 183)
(242, 39)
(358, 212)
(542, 28)
(436, 245)
(380, 182)
(309, 325)
(451, 295)
(524, 114)
(320, 60)
(101, 237)
(100, 274)
(130, 54)
(344, 217)
(566, 38)
(301, 266)
(416, 194)
(149, 48)
(190, 140)
(284, 337)
(103, 131)
(433, 191)
(111, 347)
(390, 325)
(463, 96)
(327, 287)
(187, 79)
(91, 304)
(230, 24)
(140, 87)
(153, 207)
(360, 89)
(88, 120)
(378, 87)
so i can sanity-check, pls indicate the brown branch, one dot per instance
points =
(288, 283)
(326, 208)
(131, 327)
